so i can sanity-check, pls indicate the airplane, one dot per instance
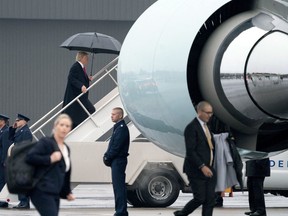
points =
(230, 53)
(188, 50)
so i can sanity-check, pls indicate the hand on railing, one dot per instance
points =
(83, 89)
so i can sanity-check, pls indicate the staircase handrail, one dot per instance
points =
(112, 64)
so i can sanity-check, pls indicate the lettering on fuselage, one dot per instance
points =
(278, 163)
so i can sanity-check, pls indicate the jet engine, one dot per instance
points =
(230, 53)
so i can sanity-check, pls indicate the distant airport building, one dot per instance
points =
(34, 68)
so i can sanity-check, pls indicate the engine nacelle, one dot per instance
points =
(230, 53)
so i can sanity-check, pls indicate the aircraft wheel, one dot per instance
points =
(133, 198)
(159, 188)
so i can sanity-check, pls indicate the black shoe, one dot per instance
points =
(248, 213)
(179, 213)
(3, 204)
(22, 206)
(218, 204)
(257, 213)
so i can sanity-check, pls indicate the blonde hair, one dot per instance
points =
(80, 55)
(60, 117)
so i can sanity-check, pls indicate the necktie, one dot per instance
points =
(208, 136)
(84, 69)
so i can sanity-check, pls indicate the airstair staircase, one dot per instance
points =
(98, 125)
(89, 140)
(92, 135)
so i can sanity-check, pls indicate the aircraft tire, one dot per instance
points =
(133, 198)
(158, 188)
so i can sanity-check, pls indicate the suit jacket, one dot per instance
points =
(258, 168)
(76, 79)
(197, 150)
(4, 143)
(20, 135)
(56, 180)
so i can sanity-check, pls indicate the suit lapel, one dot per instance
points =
(201, 130)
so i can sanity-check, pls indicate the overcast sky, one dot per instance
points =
(270, 54)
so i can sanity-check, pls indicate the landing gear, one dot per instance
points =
(155, 188)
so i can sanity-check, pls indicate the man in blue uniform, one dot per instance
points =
(18, 133)
(116, 158)
(4, 145)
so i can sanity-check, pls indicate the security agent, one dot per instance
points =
(116, 158)
(18, 133)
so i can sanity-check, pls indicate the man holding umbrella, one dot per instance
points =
(78, 82)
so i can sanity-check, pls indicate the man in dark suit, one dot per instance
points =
(78, 82)
(18, 133)
(198, 163)
(116, 158)
(256, 171)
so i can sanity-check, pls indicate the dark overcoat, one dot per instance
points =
(4, 143)
(56, 181)
(76, 79)
(197, 150)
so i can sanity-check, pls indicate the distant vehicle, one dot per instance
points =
(146, 86)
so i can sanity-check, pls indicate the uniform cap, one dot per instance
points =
(3, 117)
(22, 117)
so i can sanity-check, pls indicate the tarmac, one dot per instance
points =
(98, 200)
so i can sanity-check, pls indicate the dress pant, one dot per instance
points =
(256, 194)
(118, 168)
(45, 203)
(203, 194)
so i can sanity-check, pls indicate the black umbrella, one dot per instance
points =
(92, 42)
